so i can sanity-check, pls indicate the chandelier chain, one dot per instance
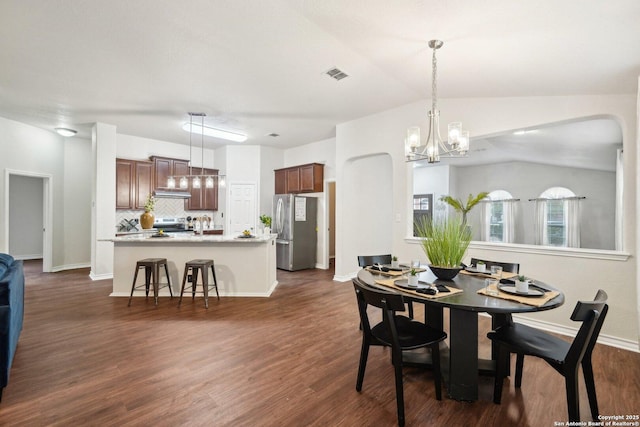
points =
(434, 81)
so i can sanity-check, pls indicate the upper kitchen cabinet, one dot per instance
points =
(203, 198)
(307, 178)
(165, 167)
(134, 182)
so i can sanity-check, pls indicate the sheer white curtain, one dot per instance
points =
(540, 222)
(509, 221)
(573, 222)
(485, 215)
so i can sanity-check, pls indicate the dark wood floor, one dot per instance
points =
(289, 360)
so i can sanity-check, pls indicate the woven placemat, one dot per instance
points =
(534, 301)
(390, 284)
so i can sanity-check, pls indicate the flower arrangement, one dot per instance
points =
(266, 220)
(150, 204)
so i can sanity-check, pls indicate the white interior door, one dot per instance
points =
(242, 208)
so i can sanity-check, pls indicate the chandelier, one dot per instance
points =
(197, 179)
(458, 143)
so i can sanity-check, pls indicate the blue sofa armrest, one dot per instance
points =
(11, 313)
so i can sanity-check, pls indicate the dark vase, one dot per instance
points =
(445, 273)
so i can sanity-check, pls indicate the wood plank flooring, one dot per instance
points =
(85, 358)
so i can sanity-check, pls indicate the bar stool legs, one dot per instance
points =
(151, 277)
(199, 266)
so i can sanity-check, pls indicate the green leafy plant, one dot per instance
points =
(413, 272)
(463, 208)
(394, 258)
(480, 262)
(266, 220)
(445, 241)
(150, 204)
(522, 278)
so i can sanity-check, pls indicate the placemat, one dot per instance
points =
(534, 301)
(390, 284)
(392, 272)
(505, 274)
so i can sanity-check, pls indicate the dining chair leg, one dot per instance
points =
(364, 353)
(166, 271)
(437, 375)
(573, 401)
(399, 389)
(410, 306)
(500, 374)
(587, 370)
(519, 368)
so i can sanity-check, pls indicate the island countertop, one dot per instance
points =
(189, 238)
(244, 266)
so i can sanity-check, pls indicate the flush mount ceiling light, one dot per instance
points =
(66, 131)
(201, 129)
(433, 148)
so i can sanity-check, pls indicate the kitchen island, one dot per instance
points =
(245, 267)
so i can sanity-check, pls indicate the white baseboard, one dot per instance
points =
(106, 276)
(165, 293)
(344, 278)
(58, 268)
(27, 257)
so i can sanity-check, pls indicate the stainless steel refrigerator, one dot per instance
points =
(294, 220)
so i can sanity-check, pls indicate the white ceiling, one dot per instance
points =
(258, 66)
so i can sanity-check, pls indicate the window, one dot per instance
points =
(554, 216)
(497, 218)
(422, 208)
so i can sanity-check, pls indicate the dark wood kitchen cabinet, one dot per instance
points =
(134, 183)
(164, 167)
(307, 178)
(203, 199)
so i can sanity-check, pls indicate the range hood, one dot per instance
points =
(168, 194)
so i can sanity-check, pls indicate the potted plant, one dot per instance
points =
(413, 277)
(266, 222)
(147, 218)
(463, 208)
(445, 243)
(394, 262)
(481, 267)
(522, 284)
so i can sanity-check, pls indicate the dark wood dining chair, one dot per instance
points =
(398, 332)
(563, 356)
(370, 260)
(510, 267)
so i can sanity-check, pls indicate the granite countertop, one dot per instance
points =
(188, 238)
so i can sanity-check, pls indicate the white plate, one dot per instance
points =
(511, 289)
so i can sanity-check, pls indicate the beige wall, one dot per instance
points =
(579, 275)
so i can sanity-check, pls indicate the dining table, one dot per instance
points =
(467, 297)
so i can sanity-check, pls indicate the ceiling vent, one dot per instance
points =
(337, 74)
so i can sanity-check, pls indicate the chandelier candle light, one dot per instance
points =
(458, 142)
(196, 180)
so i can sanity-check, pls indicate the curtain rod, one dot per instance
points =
(559, 198)
(500, 200)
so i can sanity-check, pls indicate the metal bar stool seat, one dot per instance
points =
(199, 265)
(151, 277)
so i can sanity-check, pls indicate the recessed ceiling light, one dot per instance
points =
(214, 132)
(66, 131)
(273, 135)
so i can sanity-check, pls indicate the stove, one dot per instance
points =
(171, 225)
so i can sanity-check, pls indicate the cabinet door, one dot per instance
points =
(163, 169)
(124, 184)
(195, 202)
(143, 183)
(311, 178)
(210, 195)
(281, 181)
(293, 180)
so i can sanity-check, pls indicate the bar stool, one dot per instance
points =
(151, 276)
(195, 266)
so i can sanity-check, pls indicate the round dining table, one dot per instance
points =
(463, 366)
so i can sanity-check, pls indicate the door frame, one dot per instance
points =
(47, 214)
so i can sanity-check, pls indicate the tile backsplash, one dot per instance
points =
(166, 208)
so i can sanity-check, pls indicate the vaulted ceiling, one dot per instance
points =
(259, 66)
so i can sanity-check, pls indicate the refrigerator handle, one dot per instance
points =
(279, 219)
